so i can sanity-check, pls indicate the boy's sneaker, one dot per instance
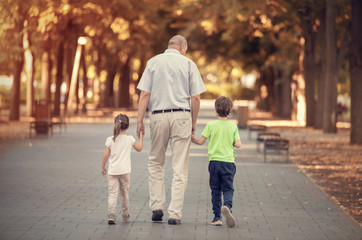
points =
(217, 223)
(230, 220)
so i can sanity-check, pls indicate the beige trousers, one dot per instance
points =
(174, 127)
(116, 182)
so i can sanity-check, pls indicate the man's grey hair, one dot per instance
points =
(177, 40)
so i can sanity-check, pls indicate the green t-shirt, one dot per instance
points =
(221, 135)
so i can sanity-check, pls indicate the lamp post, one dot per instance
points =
(81, 41)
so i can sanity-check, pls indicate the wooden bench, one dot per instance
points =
(255, 128)
(266, 136)
(43, 120)
(276, 145)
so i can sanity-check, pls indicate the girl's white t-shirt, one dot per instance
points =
(119, 161)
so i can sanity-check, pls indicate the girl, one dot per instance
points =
(118, 151)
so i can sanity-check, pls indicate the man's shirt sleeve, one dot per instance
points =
(145, 83)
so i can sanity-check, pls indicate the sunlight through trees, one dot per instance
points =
(298, 50)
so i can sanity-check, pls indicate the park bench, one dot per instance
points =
(263, 136)
(43, 120)
(276, 145)
(255, 128)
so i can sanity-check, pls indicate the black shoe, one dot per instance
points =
(157, 215)
(173, 221)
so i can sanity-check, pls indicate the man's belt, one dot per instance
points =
(171, 110)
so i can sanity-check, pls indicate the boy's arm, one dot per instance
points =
(237, 143)
(104, 160)
(198, 141)
(139, 145)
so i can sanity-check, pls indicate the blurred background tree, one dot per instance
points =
(292, 57)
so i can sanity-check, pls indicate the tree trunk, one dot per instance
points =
(29, 71)
(96, 81)
(267, 96)
(123, 85)
(266, 89)
(59, 78)
(46, 68)
(330, 95)
(18, 64)
(283, 100)
(356, 72)
(85, 82)
(298, 88)
(271, 89)
(74, 84)
(318, 124)
(111, 73)
(77, 100)
(70, 53)
(15, 91)
(318, 121)
(309, 70)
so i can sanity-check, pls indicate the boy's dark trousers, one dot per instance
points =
(221, 181)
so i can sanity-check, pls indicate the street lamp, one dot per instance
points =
(81, 41)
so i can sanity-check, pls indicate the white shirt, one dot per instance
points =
(172, 79)
(119, 161)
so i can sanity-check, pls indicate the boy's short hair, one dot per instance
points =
(223, 106)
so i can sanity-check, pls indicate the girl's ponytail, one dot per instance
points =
(121, 122)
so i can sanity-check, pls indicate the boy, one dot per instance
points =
(223, 137)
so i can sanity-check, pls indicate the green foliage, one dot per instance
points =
(231, 34)
(233, 91)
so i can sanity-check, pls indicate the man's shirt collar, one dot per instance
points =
(172, 50)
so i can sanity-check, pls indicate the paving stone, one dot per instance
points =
(52, 189)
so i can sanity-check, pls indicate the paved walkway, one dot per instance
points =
(51, 188)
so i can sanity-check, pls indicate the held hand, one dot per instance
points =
(103, 171)
(193, 138)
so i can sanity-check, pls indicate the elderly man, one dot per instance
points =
(170, 87)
